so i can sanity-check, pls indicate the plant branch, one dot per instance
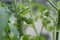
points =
(35, 29)
(52, 5)
(24, 10)
(57, 35)
(7, 34)
(14, 2)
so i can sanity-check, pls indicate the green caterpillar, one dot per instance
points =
(20, 25)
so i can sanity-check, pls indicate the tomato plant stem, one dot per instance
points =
(14, 2)
(57, 35)
(52, 5)
(35, 29)
(30, 5)
(58, 25)
(19, 20)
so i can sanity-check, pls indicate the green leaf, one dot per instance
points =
(14, 30)
(29, 21)
(45, 21)
(26, 37)
(7, 28)
(42, 37)
(36, 38)
(51, 28)
(3, 17)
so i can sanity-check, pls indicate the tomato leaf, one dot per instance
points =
(14, 30)
(3, 17)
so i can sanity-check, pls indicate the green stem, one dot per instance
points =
(52, 5)
(35, 29)
(7, 34)
(21, 4)
(58, 25)
(31, 17)
(57, 35)
(41, 32)
(14, 2)
(30, 5)
(24, 10)
(19, 20)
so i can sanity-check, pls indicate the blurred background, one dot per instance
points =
(38, 9)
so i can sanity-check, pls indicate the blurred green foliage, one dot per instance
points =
(9, 31)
